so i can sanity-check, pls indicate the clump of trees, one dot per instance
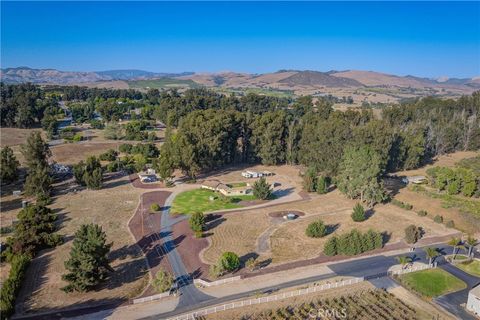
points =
(262, 189)
(353, 243)
(312, 182)
(89, 173)
(413, 234)
(88, 263)
(8, 165)
(358, 214)
(454, 180)
(316, 229)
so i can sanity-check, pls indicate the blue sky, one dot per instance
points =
(419, 38)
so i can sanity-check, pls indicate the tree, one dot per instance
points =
(38, 182)
(403, 260)
(322, 185)
(330, 247)
(89, 173)
(229, 261)
(454, 242)
(316, 229)
(50, 125)
(431, 254)
(310, 180)
(359, 175)
(163, 281)
(471, 242)
(262, 189)
(88, 263)
(197, 222)
(35, 151)
(8, 166)
(412, 234)
(35, 230)
(358, 214)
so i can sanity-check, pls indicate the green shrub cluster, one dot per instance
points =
(358, 214)
(353, 243)
(312, 182)
(422, 213)
(316, 229)
(403, 205)
(438, 219)
(110, 155)
(10, 287)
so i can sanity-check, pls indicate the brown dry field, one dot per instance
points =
(68, 153)
(240, 230)
(434, 206)
(110, 207)
(424, 309)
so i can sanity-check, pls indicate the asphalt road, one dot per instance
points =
(371, 267)
(453, 301)
(189, 294)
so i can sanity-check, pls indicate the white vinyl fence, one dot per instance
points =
(204, 283)
(270, 298)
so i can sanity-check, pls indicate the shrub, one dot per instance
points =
(163, 281)
(77, 137)
(110, 155)
(261, 189)
(401, 204)
(251, 263)
(330, 248)
(412, 234)
(453, 187)
(197, 221)
(310, 180)
(125, 148)
(468, 189)
(215, 271)
(422, 213)
(316, 229)
(97, 124)
(358, 214)
(155, 207)
(438, 219)
(450, 224)
(229, 261)
(322, 184)
(10, 287)
(353, 243)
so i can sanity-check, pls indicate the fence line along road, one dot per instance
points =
(289, 294)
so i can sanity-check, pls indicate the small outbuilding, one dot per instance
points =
(414, 179)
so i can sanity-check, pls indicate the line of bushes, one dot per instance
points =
(403, 205)
(353, 243)
(13, 283)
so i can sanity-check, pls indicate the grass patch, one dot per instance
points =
(472, 267)
(199, 200)
(432, 283)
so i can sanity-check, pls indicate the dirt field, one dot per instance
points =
(434, 206)
(110, 207)
(240, 232)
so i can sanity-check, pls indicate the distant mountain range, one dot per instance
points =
(25, 74)
(300, 82)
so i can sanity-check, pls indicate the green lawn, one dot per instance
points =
(472, 267)
(162, 83)
(237, 184)
(432, 282)
(198, 200)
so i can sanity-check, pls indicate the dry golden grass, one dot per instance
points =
(15, 136)
(288, 242)
(111, 208)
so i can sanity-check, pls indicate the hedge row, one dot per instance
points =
(13, 283)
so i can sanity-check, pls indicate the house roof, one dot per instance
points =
(211, 183)
(476, 291)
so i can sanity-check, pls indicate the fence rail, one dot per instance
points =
(289, 294)
(280, 296)
(215, 283)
